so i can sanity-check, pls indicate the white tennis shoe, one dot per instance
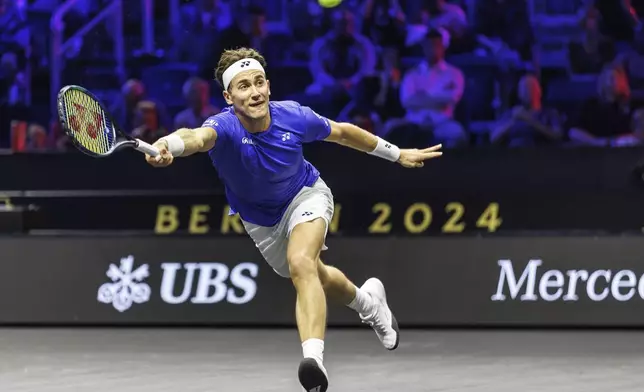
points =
(381, 319)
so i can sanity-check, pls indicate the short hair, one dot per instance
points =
(230, 56)
(441, 34)
(194, 82)
(132, 84)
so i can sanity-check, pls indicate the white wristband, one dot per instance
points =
(175, 144)
(386, 150)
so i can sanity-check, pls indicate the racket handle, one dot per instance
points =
(146, 148)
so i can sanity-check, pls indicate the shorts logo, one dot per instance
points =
(286, 136)
(245, 64)
(307, 213)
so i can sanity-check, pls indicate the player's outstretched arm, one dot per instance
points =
(182, 143)
(357, 138)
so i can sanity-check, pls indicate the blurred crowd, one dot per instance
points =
(458, 72)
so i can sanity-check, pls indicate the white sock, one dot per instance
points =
(362, 303)
(314, 348)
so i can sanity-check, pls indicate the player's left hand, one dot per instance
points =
(414, 157)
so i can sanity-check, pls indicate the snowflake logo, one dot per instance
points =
(286, 136)
(127, 285)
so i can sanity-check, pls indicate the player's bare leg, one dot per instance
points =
(337, 286)
(304, 245)
(370, 301)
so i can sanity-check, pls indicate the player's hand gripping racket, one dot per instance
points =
(90, 126)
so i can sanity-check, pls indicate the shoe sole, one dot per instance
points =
(394, 325)
(312, 377)
(394, 322)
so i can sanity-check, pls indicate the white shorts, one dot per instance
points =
(309, 204)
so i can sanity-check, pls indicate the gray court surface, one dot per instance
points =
(185, 360)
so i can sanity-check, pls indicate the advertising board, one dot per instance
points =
(500, 281)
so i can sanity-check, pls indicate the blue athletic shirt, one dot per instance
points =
(262, 172)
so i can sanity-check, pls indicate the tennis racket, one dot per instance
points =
(91, 128)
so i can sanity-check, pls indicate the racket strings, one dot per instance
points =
(87, 122)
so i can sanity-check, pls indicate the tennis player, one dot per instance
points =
(256, 147)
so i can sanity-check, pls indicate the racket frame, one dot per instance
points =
(122, 140)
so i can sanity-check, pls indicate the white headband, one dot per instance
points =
(240, 66)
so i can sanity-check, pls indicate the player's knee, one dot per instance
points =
(302, 267)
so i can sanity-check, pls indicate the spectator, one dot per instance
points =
(636, 137)
(618, 20)
(203, 20)
(57, 137)
(529, 123)
(13, 88)
(13, 97)
(633, 63)
(249, 31)
(504, 25)
(384, 23)
(504, 30)
(125, 109)
(387, 96)
(441, 14)
(431, 91)
(601, 120)
(377, 98)
(151, 128)
(37, 138)
(207, 15)
(14, 24)
(594, 50)
(339, 61)
(306, 21)
(197, 94)
(18, 135)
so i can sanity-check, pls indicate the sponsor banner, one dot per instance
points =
(373, 214)
(496, 281)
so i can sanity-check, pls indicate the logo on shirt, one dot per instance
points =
(210, 122)
(326, 122)
(286, 136)
(247, 140)
(307, 213)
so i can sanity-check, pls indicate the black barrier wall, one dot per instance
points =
(430, 281)
(466, 192)
(487, 170)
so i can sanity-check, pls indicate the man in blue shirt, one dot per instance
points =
(256, 147)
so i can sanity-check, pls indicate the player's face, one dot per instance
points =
(249, 92)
